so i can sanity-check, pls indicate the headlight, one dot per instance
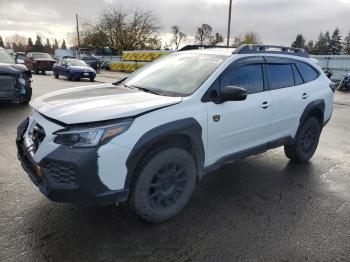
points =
(90, 137)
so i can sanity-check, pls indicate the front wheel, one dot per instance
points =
(306, 141)
(57, 75)
(163, 185)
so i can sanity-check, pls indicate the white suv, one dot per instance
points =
(150, 137)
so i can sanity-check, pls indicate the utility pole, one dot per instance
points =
(78, 31)
(229, 24)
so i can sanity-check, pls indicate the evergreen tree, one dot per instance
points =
(335, 44)
(322, 45)
(55, 45)
(299, 41)
(327, 40)
(29, 45)
(310, 47)
(63, 46)
(38, 46)
(1, 42)
(47, 47)
(347, 45)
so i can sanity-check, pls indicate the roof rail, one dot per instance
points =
(271, 49)
(194, 47)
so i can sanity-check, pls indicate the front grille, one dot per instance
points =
(7, 83)
(61, 173)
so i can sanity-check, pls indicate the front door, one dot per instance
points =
(236, 126)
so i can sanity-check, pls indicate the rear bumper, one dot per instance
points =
(67, 175)
(82, 75)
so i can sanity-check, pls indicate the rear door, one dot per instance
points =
(235, 126)
(288, 95)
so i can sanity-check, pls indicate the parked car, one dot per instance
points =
(149, 138)
(15, 80)
(73, 69)
(37, 62)
(91, 60)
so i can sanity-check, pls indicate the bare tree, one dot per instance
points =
(204, 34)
(178, 36)
(249, 38)
(215, 39)
(119, 29)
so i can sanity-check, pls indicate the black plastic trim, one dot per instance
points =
(317, 104)
(188, 127)
(248, 152)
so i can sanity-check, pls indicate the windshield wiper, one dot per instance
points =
(147, 90)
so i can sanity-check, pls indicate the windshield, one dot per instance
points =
(177, 74)
(76, 63)
(41, 56)
(5, 57)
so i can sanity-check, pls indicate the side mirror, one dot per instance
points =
(231, 93)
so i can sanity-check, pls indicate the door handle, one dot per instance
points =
(304, 96)
(265, 105)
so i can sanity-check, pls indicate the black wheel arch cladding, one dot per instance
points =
(188, 127)
(314, 106)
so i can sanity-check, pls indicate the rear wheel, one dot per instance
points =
(306, 141)
(163, 185)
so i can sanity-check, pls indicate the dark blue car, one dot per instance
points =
(73, 69)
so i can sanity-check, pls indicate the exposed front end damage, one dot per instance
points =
(15, 83)
(62, 173)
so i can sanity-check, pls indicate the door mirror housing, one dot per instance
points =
(231, 93)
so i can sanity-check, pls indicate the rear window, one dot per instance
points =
(280, 75)
(308, 73)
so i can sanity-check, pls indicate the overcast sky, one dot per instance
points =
(276, 21)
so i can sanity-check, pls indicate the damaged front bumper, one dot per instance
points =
(66, 174)
(15, 88)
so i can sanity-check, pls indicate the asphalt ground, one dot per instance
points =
(263, 208)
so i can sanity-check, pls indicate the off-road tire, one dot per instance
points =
(306, 141)
(158, 168)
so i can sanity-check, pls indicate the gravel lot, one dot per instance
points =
(263, 208)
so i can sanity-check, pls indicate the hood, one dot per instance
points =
(81, 68)
(12, 68)
(98, 103)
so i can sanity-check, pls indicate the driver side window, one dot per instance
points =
(249, 77)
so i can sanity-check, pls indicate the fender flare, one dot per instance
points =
(188, 127)
(317, 104)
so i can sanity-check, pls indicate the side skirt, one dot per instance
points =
(248, 152)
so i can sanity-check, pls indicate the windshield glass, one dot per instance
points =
(41, 56)
(177, 74)
(76, 63)
(5, 57)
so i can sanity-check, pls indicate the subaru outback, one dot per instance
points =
(150, 137)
